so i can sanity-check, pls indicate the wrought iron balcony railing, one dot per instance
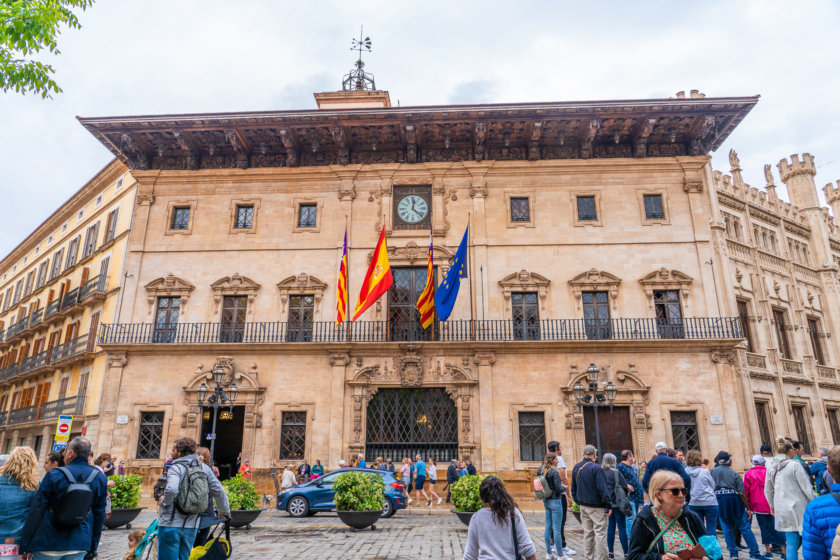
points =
(35, 361)
(78, 345)
(52, 308)
(70, 298)
(695, 328)
(9, 371)
(92, 286)
(44, 411)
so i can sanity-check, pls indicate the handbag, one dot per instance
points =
(622, 504)
(216, 548)
(516, 554)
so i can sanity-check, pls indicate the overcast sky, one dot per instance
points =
(137, 57)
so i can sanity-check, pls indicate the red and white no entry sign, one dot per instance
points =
(62, 430)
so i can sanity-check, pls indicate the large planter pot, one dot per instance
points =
(244, 517)
(120, 517)
(358, 520)
(464, 516)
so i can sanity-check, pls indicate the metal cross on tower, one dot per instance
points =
(358, 79)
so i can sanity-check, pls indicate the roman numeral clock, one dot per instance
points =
(412, 207)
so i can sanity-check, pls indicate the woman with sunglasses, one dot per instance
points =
(666, 527)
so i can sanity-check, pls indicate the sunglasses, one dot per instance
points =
(675, 491)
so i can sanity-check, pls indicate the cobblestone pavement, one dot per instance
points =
(418, 534)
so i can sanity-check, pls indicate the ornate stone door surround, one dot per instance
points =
(632, 392)
(251, 396)
(411, 370)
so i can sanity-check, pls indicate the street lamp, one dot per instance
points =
(591, 397)
(217, 399)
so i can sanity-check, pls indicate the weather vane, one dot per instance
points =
(358, 79)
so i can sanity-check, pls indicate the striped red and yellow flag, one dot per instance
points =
(378, 278)
(341, 286)
(426, 301)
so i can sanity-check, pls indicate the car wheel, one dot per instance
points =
(387, 508)
(298, 507)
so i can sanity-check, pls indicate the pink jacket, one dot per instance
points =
(754, 489)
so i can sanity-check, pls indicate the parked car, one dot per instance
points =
(317, 495)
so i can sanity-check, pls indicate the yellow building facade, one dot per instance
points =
(58, 286)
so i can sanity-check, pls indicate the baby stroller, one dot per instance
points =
(216, 547)
(148, 547)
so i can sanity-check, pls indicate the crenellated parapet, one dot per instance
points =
(797, 166)
(832, 193)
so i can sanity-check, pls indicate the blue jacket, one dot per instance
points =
(40, 533)
(662, 461)
(638, 495)
(819, 526)
(16, 503)
(817, 470)
(589, 485)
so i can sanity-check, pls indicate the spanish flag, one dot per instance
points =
(378, 278)
(341, 287)
(426, 301)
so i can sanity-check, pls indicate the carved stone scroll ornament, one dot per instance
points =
(665, 279)
(524, 281)
(168, 286)
(595, 280)
(301, 284)
(236, 285)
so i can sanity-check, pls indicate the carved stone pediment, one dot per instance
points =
(235, 285)
(302, 284)
(413, 253)
(168, 286)
(524, 281)
(665, 279)
(595, 280)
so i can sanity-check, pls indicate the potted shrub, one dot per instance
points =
(244, 501)
(125, 496)
(465, 496)
(358, 499)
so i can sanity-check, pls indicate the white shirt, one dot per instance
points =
(287, 480)
(431, 470)
(561, 464)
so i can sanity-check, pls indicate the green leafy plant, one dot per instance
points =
(465, 492)
(575, 507)
(241, 493)
(357, 491)
(125, 494)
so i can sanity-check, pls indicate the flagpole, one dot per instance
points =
(471, 255)
(347, 280)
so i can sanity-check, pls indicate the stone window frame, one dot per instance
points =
(134, 417)
(809, 415)
(768, 401)
(298, 285)
(599, 208)
(699, 409)
(319, 214)
(277, 429)
(513, 417)
(234, 285)
(668, 279)
(168, 286)
(666, 208)
(531, 209)
(170, 208)
(594, 280)
(234, 206)
(524, 281)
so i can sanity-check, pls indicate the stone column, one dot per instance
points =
(486, 420)
(46, 444)
(335, 442)
(114, 365)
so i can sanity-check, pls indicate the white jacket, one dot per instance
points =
(287, 480)
(788, 491)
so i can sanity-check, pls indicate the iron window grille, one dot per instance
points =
(166, 319)
(293, 435)
(668, 313)
(307, 215)
(684, 430)
(653, 207)
(301, 318)
(531, 436)
(180, 218)
(234, 313)
(586, 208)
(520, 209)
(596, 315)
(244, 217)
(151, 434)
(526, 316)
(403, 316)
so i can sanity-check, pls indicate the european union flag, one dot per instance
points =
(447, 292)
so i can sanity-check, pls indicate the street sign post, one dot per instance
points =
(62, 430)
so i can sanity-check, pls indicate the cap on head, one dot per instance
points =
(661, 445)
(758, 460)
(723, 458)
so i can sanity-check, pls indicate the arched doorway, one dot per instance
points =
(403, 422)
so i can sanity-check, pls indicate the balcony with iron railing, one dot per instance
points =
(546, 330)
(93, 288)
(70, 299)
(35, 363)
(17, 328)
(9, 372)
(45, 411)
(72, 351)
(52, 309)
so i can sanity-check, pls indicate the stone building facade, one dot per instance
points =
(57, 287)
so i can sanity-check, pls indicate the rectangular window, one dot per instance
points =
(43, 268)
(586, 208)
(83, 381)
(301, 317)
(234, 313)
(833, 422)
(63, 386)
(653, 207)
(55, 270)
(526, 316)
(531, 436)
(743, 314)
(684, 430)
(151, 434)
(166, 319)
(781, 333)
(91, 235)
(180, 218)
(18, 291)
(72, 252)
(596, 315)
(403, 317)
(307, 215)
(799, 414)
(37, 446)
(244, 217)
(111, 225)
(668, 313)
(816, 345)
(520, 209)
(293, 435)
(30, 283)
(764, 430)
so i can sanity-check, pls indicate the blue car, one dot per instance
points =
(317, 495)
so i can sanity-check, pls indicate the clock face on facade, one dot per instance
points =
(412, 208)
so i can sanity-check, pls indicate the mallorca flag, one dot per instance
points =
(378, 278)
(341, 288)
(426, 301)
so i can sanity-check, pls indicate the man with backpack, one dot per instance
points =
(67, 514)
(189, 485)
